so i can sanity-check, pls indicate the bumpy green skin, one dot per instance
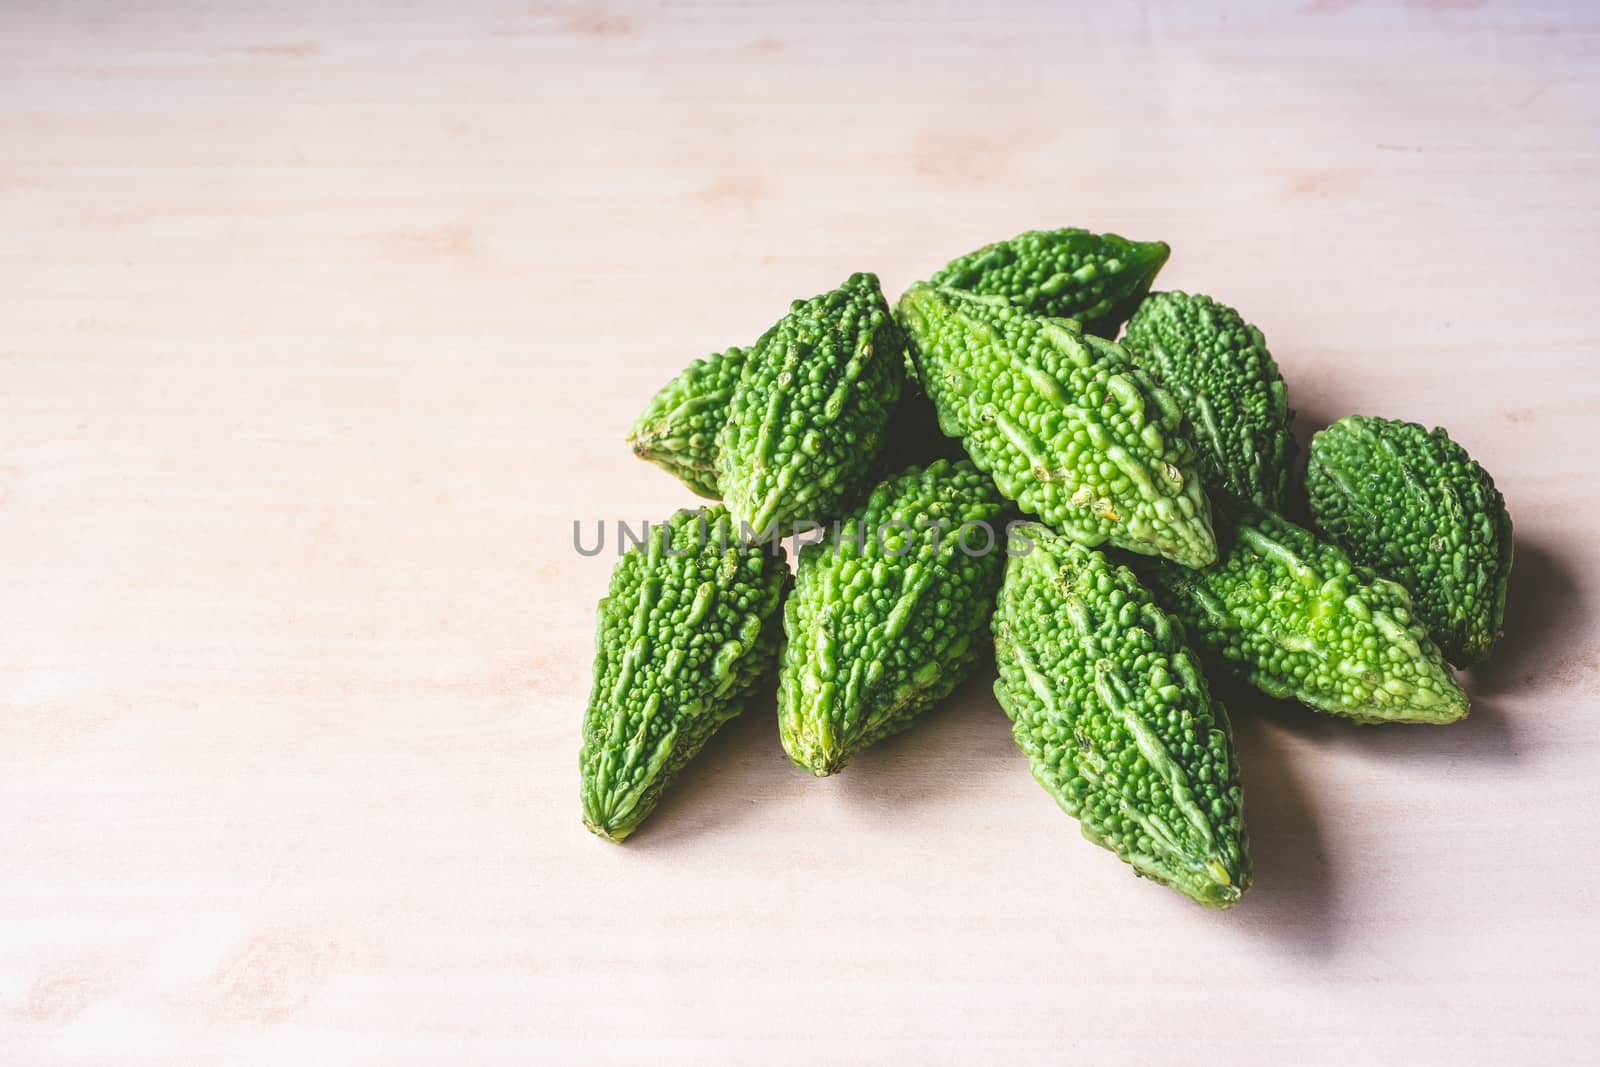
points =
(806, 417)
(1097, 279)
(1218, 367)
(1294, 617)
(689, 627)
(1116, 720)
(1069, 428)
(679, 427)
(1412, 505)
(889, 613)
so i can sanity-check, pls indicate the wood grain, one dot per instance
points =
(320, 324)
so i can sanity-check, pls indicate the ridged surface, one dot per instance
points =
(689, 626)
(1111, 709)
(889, 614)
(1067, 425)
(1412, 505)
(1097, 279)
(807, 414)
(1294, 617)
(679, 427)
(1218, 367)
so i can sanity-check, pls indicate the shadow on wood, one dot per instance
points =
(1485, 737)
(1543, 599)
(721, 786)
(1294, 901)
(744, 766)
(950, 750)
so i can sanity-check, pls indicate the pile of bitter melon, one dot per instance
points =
(984, 472)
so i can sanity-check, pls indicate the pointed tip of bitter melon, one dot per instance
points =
(1188, 536)
(1219, 885)
(608, 819)
(1216, 878)
(608, 825)
(1153, 255)
(808, 721)
(1195, 543)
(616, 835)
(823, 765)
(1143, 260)
(643, 447)
(811, 744)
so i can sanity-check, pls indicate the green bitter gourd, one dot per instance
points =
(889, 613)
(1066, 424)
(1116, 720)
(1218, 367)
(689, 626)
(1294, 617)
(1097, 279)
(805, 419)
(678, 429)
(1412, 505)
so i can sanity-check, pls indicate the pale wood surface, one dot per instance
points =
(320, 323)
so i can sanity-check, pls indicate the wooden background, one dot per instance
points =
(320, 324)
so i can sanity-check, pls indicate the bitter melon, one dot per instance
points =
(689, 626)
(679, 427)
(1097, 279)
(889, 613)
(1116, 720)
(1412, 505)
(1294, 617)
(805, 419)
(1218, 367)
(1068, 427)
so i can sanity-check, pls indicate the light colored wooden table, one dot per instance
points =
(320, 324)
